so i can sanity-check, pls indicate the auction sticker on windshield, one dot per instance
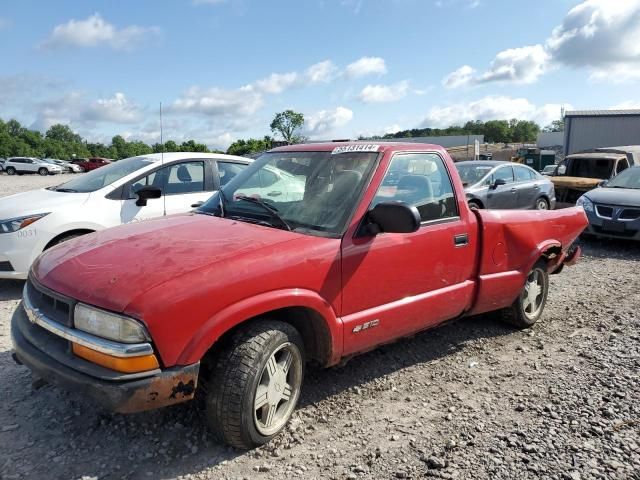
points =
(355, 148)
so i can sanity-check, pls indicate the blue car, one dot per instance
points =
(613, 209)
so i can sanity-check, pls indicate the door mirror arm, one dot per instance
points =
(497, 182)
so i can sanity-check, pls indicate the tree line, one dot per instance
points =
(59, 141)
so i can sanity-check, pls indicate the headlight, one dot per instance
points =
(14, 224)
(585, 203)
(109, 325)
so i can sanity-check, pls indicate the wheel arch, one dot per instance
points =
(75, 231)
(313, 317)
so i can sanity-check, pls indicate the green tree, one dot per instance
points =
(251, 145)
(555, 126)
(523, 131)
(497, 131)
(288, 124)
(170, 146)
(62, 133)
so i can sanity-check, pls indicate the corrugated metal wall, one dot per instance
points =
(584, 133)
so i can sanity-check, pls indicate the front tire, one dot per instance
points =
(529, 305)
(474, 205)
(43, 171)
(255, 384)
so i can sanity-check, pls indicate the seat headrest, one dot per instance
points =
(183, 174)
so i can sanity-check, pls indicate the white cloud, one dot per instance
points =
(384, 93)
(322, 72)
(460, 77)
(277, 82)
(95, 32)
(326, 121)
(75, 109)
(601, 35)
(366, 66)
(515, 65)
(492, 107)
(241, 102)
(208, 2)
(470, 4)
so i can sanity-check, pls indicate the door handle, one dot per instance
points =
(513, 190)
(274, 194)
(461, 240)
(537, 187)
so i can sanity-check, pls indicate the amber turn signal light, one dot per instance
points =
(119, 364)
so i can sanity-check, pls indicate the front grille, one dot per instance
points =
(630, 214)
(606, 212)
(6, 267)
(55, 306)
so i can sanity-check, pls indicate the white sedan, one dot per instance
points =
(125, 191)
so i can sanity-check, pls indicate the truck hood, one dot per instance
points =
(628, 197)
(38, 201)
(112, 267)
(575, 182)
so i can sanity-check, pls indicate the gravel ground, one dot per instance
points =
(471, 399)
(21, 183)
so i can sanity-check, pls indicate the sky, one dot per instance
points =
(223, 68)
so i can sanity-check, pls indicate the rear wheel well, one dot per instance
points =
(71, 233)
(475, 202)
(308, 322)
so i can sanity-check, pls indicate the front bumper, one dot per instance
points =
(19, 249)
(49, 357)
(601, 227)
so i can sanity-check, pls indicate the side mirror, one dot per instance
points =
(145, 193)
(497, 182)
(561, 170)
(603, 183)
(393, 217)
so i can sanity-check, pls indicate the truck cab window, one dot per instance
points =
(419, 179)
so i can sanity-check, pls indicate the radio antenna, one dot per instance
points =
(164, 176)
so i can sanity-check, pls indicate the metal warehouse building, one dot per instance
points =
(588, 129)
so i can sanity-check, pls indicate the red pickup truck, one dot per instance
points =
(314, 253)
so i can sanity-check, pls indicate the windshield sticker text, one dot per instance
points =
(355, 148)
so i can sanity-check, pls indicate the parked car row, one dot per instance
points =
(310, 253)
(50, 166)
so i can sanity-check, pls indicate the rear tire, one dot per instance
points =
(43, 171)
(475, 205)
(542, 204)
(254, 383)
(11, 171)
(528, 307)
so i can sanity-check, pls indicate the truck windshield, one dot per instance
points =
(590, 167)
(472, 174)
(307, 192)
(630, 178)
(103, 176)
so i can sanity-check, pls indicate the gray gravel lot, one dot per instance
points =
(10, 184)
(471, 399)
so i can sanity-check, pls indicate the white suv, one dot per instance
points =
(126, 191)
(22, 165)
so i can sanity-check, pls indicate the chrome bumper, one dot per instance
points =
(102, 345)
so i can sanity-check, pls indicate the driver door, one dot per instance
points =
(503, 196)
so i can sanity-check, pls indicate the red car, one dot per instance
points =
(92, 163)
(313, 253)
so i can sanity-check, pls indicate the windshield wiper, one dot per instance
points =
(270, 208)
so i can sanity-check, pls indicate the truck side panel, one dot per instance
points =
(512, 241)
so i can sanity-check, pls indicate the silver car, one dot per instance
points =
(505, 185)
